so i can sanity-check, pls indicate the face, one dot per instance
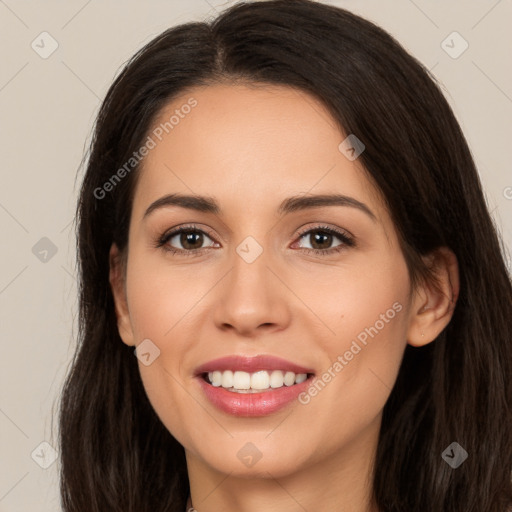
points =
(323, 285)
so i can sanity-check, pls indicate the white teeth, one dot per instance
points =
(241, 380)
(276, 379)
(244, 382)
(301, 377)
(289, 378)
(260, 380)
(215, 378)
(227, 379)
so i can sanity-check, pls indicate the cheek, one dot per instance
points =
(366, 302)
(159, 304)
(369, 317)
(160, 297)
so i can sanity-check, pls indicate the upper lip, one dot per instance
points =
(251, 364)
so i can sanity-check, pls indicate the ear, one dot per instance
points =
(118, 287)
(433, 306)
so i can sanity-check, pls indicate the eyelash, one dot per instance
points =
(161, 241)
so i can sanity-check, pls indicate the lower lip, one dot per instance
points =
(253, 404)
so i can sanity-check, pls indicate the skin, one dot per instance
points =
(250, 147)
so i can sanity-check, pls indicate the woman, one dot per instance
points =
(281, 219)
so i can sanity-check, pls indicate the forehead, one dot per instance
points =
(253, 143)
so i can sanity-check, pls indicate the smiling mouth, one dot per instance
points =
(256, 382)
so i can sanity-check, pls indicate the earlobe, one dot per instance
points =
(117, 285)
(434, 303)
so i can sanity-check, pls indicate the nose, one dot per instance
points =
(252, 298)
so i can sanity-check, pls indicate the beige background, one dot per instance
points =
(47, 107)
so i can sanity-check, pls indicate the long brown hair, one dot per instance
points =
(116, 454)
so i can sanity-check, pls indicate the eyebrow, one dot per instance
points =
(207, 204)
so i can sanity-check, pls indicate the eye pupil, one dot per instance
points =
(324, 235)
(187, 239)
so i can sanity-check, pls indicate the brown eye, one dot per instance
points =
(189, 239)
(185, 241)
(321, 240)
